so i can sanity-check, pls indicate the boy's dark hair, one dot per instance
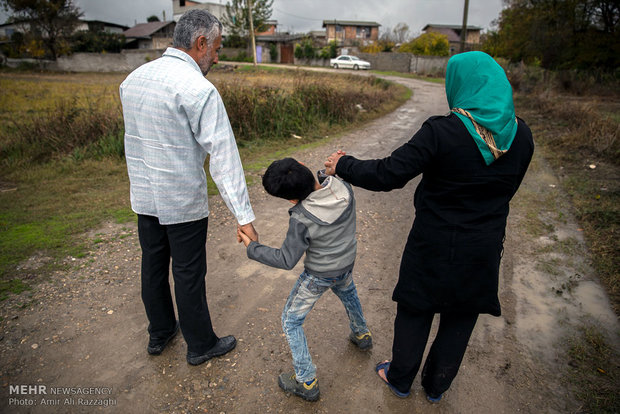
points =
(288, 179)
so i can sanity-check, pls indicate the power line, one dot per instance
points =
(298, 17)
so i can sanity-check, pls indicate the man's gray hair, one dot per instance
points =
(193, 24)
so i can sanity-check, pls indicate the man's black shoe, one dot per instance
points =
(156, 347)
(221, 347)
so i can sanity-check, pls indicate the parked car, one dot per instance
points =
(351, 62)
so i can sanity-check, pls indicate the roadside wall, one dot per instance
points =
(429, 65)
(393, 62)
(407, 63)
(397, 62)
(311, 62)
(128, 60)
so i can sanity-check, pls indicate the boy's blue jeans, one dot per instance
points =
(302, 298)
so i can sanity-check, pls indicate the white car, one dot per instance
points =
(351, 62)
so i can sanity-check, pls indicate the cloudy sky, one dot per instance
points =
(305, 15)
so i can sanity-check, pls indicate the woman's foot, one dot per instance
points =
(382, 369)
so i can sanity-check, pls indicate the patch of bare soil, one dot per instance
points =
(80, 336)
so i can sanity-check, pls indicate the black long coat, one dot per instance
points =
(452, 256)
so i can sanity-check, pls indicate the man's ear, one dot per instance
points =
(201, 43)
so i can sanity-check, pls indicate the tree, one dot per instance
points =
(235, 41)
(305, 49)
(401, 33)
(381, 45)
(388, 39)
(330, 51)
(430, 44)
(152, 18)
(398, 35)
(569, 34)
(237, 18)
(97, 42)
(51, 22)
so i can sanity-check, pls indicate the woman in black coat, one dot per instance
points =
(472, 162)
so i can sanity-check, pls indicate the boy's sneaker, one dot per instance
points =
(309, 390)
(363, 341)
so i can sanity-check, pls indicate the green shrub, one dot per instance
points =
(305, 49)
(235, 41)
(330, 51)
(273, 52)
(431, 44)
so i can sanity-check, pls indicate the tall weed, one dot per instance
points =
(534, 79)
(259, 110)
(589, 128)
(262, 106)
(69, 126)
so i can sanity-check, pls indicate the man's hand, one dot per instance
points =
(242, 237)
(332, 161)
(246, 234)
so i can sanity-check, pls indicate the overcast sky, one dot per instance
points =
(300, 16)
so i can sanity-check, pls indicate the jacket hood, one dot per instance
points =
(330, 202)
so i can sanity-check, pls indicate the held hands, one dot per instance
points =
(332, 161)
(246, 234)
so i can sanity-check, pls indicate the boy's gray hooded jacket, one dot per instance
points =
(322, 226)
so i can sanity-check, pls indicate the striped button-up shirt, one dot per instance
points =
(174, 117)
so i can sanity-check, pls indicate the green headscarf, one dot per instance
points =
(477, 86)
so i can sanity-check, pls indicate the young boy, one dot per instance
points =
(322, 225)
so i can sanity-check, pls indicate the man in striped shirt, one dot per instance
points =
(174, 117)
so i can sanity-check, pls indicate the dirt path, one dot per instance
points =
(85, 328)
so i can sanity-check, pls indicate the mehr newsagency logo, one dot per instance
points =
(32, 395)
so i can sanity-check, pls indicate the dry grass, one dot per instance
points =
(595, 371)
(580, 137)
(590, 125)
(25, 93)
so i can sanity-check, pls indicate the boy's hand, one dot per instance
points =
(246, 232)
(249, 231)
(242, 237)
(332, 161)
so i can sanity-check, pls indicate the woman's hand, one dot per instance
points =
(332, 161)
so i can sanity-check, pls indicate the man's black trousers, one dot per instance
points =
(185, 244)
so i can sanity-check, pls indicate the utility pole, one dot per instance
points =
(464, 28)
(249, 3)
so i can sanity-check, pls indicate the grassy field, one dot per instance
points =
(62, 159)
(578, 136)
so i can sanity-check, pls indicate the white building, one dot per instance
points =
(218, 9)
